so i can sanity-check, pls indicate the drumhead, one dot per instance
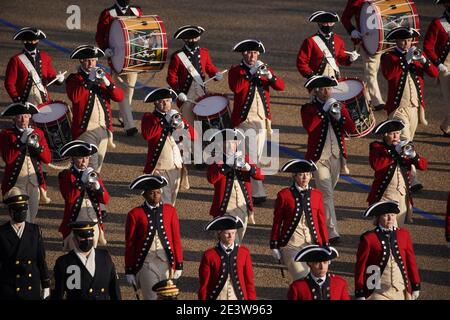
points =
(347, 89)
(371, 28)
(117, 42)
(210, 105)
(50, 112)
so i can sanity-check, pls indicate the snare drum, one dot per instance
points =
(351, 92)
(53, 119)
(379, 17)
(214, 112)
(139, 44)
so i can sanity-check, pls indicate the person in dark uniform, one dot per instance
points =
(85, 273)
(23, 270)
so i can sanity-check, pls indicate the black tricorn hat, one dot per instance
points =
(188, 32)
(382, 207)
(225, 222)
(389, 126)
(316, 253)
(86, 52)
(83, 229)
(148, 182)
(299, 165)
(320, 82)
(78, 148)
(249, 45)
(160, 93)
(401, 33)
(323, 17)
(29, 34)
(17, 108)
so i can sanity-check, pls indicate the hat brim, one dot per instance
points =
(249, 45)
(389, 126)
(382, 207)
(148, 182)
(324, 17)
(402, 33)
(87, 52)
(299, 165)
(159, 94)
(78, 148)
(188, 32)
(316, 253)
(18, 108)
(225, 222)
(320, 82)
(29, 34)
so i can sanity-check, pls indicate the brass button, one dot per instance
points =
(17, 289)
(102, 290)
(91, 290)
(29, 288)
(17, 262)
(17, 276)
(29, 261)
(29, 275)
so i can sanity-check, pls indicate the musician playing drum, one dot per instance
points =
(126, 81)
(322, 53)
(326, 121)
(371, 63)
(24, 149)
(250, 82)
(436, 46)
(90, 90)
(188, 68)
(404, 69)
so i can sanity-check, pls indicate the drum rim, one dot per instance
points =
(359, 94)
(380, 31)
(42, 105)
(368, 130)
(219, 113)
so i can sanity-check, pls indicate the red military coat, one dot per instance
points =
(384, 160)
(216, 266)
(310, 59)
(18, 81)
(178, 77)
(334, 288)
(13, 152)
(436, 44)
(82, 97)
(155, 130)
(315, 121)
(244, 88)
(286, 217)
(222, 179)
(140, 229)
(106, 18)
(373, 251)
(73, 190)
(395, 71)
(352, 9)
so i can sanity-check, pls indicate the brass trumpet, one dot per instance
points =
(239, 162)
(99, 73)
(417, 54)
(176, 120)
(335, 108)
(408, 150)
(33, 140)
(92, 178)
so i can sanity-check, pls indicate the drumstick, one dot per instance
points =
(222, 72)
(51, 82)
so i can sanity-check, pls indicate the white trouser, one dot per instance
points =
(153, 271)
(170, 192)
(297, 270)
(99, 137)
(371, 65)
(127, 83)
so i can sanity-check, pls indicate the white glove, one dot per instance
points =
(356, 34)
(218, 76)
(328, 103)
(86, 173)
(442, 68)
(415, 295)
(361, 298)
(106, 81)
(182, 97)
(400, 145)
(246, 167)
(60, 77)
(354, 56)
(109, 53)
(276, 254)
(177, 274)
(131, 279)
(46, 293)
(26, 132)
(93, 74)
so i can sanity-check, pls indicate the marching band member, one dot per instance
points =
(29, 72)
(299, 218)
(392, 165)
(436, 46)
(94, 269)
(371, 64)
(126, 81)
(404, 69)
(160, 128)
(90, 90)
(153, 249)
(319, 284)
(23, 269)
(226, 271)
(326, 121)
(385, 263)
(231, 179)
(24, 149)
(250, 81)
(322, 53)
(83, 191)
(188, 68)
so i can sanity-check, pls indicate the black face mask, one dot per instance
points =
(19, 214)
(123, 3)
(30, 46)
(192, 45)
(326, 29)
(86, 244)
